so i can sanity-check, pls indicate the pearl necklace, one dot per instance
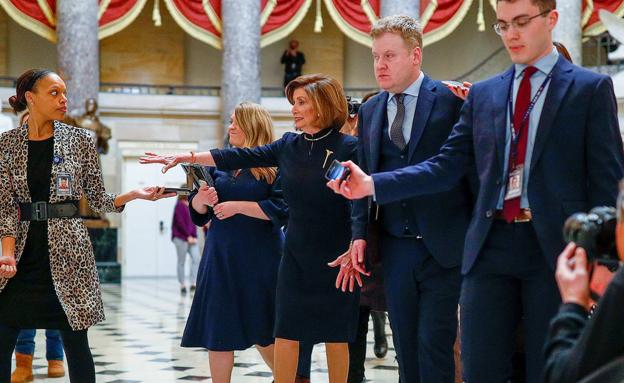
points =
(318, 138)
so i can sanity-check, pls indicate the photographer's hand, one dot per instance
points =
(572, 276)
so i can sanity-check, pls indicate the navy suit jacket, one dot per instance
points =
(576, 165)
(442, 218)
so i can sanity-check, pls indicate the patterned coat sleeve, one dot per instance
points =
(8, 207)
(93, 185)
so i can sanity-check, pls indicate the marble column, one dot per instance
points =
(78, 50)
(400, 7)
(240, 74)
(568, 30)
(4, 43)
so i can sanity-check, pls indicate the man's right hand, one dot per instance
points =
(460, 91)
(358, 252)
(358, 185)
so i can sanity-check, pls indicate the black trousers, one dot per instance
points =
(509, 282)
(422, 298)
(77, 351)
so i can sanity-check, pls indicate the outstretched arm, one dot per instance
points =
(224, 159)
(171, 160)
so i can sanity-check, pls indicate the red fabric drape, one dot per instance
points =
(116, 10)
(594, 26)
(193, 17)
(31, 15)
(444, 12)
(440, 17)
(194, 12)
(31, 9)
(282, 14)
(352, 13)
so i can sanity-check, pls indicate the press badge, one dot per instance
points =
(63, 184)
(514, 186)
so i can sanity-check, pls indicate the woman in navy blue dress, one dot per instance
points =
(309, 307)
(234, 304)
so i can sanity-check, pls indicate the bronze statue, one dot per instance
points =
(89, 120)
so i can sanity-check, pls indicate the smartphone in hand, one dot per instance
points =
(456, 84)
(178, 191)
(337, 172)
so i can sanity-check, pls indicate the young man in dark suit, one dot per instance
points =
(421, 237)
(549, 127)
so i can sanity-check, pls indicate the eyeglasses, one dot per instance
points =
(518, 23)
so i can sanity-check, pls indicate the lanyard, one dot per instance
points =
(515, 138)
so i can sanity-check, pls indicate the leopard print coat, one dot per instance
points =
(72, 262)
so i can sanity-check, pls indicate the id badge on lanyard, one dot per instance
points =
(516, 174)
(515, 182)
(64, 184)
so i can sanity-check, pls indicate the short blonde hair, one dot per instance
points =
(255, 122)
(406, 27)
(326, 95)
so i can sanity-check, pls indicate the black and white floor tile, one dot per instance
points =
(140, 343)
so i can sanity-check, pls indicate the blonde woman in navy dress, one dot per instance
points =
(309, 307)
(234, 304)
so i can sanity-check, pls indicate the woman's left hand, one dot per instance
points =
(7, 267)
(152, 193)
(225, 210)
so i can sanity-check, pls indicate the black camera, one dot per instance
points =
(353, 106)
(594, 232)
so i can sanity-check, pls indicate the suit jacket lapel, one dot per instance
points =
(561, 81)
(378, 119)
(424, 105)
(500, 101)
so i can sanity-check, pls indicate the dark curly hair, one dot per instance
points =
(26, 83)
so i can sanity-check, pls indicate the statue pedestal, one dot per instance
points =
(104, 240)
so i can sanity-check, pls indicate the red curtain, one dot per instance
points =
(282, 14)
(194, 12)
(444, 12)
(352, 12)
(41, 18)
(593, 26)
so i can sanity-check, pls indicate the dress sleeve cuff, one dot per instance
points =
(574, 308)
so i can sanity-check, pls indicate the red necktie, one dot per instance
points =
(511, 208)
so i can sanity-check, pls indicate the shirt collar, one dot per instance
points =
(411, 90)
(544, 65)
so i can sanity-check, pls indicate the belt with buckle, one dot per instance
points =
(42, 211)
(523, 216)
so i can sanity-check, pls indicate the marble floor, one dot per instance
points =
(140, 342)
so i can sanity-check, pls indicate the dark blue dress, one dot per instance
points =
(309, 307)
(234, 304)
